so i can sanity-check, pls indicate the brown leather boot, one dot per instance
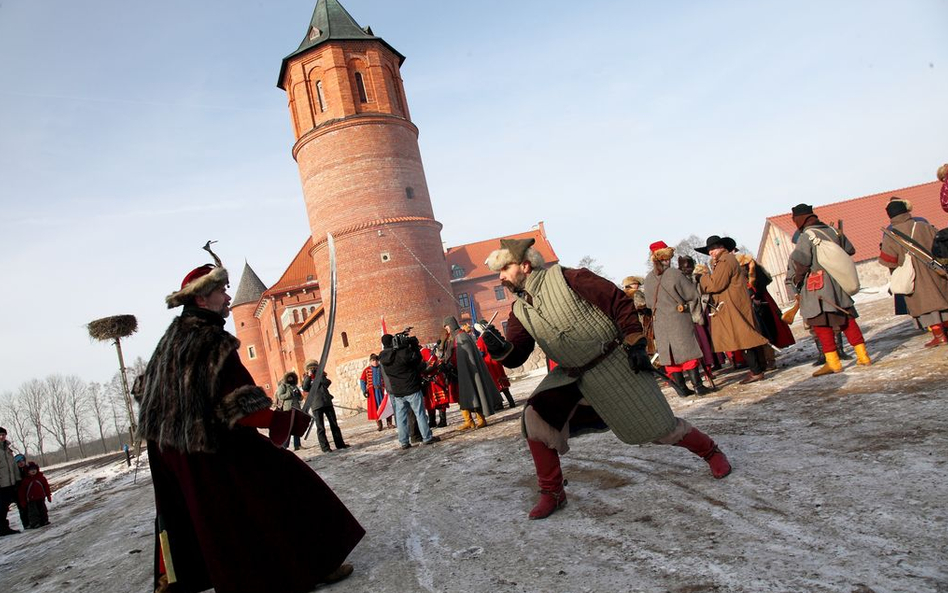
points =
(703, 446)
(550, 479)
(379, 424)
(481, 421)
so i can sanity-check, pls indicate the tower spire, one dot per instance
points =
(332, 22)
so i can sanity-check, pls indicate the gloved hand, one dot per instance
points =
(638, 358)
(497, 346)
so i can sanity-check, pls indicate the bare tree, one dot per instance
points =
(686, 247)
(78, 405)
(590, 263)
(98, 402)
(57, 410)
(32, 394)
(15, 410)
(116, 396)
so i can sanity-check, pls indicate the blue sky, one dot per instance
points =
(132, 132)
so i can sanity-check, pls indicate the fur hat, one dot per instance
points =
(660, 251)
(514, 251)
(632, 280)
(311, 364)
(291, 375)
(897, 206)
(452, 323)
(942, 173)
(201, 281)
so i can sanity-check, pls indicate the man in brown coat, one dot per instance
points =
(732, 314)
(929, 301)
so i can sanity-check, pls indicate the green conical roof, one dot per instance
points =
(332, 22)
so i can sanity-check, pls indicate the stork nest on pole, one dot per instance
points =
(111, 328)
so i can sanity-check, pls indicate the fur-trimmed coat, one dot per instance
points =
(214, 477)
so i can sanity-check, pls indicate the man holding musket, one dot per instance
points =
(590, 328)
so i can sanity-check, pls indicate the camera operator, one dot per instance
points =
(402, 362)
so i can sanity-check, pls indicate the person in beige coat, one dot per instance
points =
(732, 314)
(929, 301)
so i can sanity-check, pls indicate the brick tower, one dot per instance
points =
(363, 181)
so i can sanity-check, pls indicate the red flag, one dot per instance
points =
(384, 329)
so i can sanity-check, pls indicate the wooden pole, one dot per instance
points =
(132, 427)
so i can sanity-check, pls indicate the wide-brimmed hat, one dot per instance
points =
(712, 242)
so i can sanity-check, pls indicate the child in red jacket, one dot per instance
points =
(33, 489)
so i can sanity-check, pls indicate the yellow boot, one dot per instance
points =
(862, 357)
(832, 364)
(481, 421)
(468, 423)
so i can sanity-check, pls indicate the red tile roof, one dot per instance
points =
(470, 257)
(300, 272)
(864, 217)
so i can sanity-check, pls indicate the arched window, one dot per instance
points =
(360, 86)
(320, 97)
(296, 316)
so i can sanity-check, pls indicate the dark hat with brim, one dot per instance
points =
(801, 209)
(728, 243)
(712, 242)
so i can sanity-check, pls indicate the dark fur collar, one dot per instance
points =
(180, 406)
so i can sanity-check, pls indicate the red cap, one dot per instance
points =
(197, 273)
(656, 246)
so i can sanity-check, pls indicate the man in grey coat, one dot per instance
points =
(317, 391)
(670, 295)
(477, 392)
(824, 305)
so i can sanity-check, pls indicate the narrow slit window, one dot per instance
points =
(410, 193)
(345, 340)
(320, 97)
(360, 86)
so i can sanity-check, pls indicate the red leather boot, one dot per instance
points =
(938, 336)
(550, 479)
(703, 446)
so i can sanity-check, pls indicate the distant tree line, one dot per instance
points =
(63, 417)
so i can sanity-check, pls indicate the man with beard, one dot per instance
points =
(216, 477)
(824, 305)
(671, 296)
(588, 326)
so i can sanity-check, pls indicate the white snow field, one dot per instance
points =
(840, 484)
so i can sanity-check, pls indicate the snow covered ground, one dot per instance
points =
(840, 483)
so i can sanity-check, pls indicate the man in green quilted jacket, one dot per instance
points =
(603, 376)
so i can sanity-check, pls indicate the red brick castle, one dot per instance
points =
(364, 182)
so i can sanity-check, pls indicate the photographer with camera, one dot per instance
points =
(403, 365)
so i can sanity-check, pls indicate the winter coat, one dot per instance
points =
(317, 395)
(374, 391)
(674, 330)
(403, 367)
(475, 386)
(732, 320)
(217, 505)
(931, 288)
(9, 472)
(820, 305)
(34, 488)
(496, 370)
(288, 395)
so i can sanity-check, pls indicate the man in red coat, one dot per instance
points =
(213, 472)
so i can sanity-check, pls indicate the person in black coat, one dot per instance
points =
(321, 402)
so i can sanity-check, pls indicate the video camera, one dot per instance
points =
(403, 340)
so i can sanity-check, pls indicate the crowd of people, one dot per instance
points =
(23, 484)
